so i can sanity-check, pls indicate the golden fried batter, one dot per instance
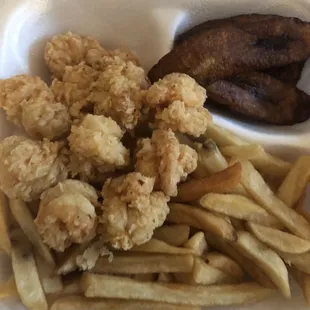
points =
(118, 93)
(68, 218)
(75, 87)
(178, 117)
(28, 102)
(176, 86)
(97, 141)
(131, 211)
(164, 158)
(67, 49)
(29, 167)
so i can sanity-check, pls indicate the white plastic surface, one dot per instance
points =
(148, 28)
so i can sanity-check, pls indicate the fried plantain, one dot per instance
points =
(242, 44)
(239, 20)
(261, 97)
(288, 74)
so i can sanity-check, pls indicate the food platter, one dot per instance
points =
(148, 29)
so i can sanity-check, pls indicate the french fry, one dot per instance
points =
(157, 246)
(51, 282)
(24, 218)
(299, 261)
(68, 263)
(249, 266)
(220, 182)
(264, 162)
(165, 277)
(144, 277)
(83, 303)
(224, 263)
(256, 186)
(279, 240)
(237, 224)
(141, 264)
(26, 274)
(8, 289)
(295, 182)
(210, 159)
(249, 151)
(300, 207)
(203, 220)
(268, 260)
(72, 284)
(115, 287)
(303, 281)
(238, 207)
(222, 136)
(204, 274)
(271, 165)
(5, 243)
(197, 243)
(175, 235)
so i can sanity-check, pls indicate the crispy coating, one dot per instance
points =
(118, 93)
(46, 119)
(164, 158)
(178, 117)
(68, 218)
(74, 88)
(29, 167)
(176, 86)
(67, 49)
(131, 211)
(70, 186)
(28, 102)
(99, 58)
(97, 140)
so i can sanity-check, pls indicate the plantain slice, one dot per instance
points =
(288, 74)
(242, 44)
(261, 97)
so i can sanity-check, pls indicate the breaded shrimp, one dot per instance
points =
(164, 158)
(74, 88)
(178, 117)
(99, 58)
(70, 186)
(118, 93)
(178, 100)
(28, 102)
(176, 86)
(131, 210)
(28, 167)
(69, 218)
(67, 49)
(97, 139)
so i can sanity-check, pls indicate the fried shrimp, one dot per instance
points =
(69, 218)
(176, 86)
(70, 186)
(28, 102)
(178, 117)
(178, 100)
(99, 58)
(67, 49)
(164, 158)
(131, 210)
(74, 88)
(29, 167)
(97, 140)
(118, 93)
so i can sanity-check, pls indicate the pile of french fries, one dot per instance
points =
(235, 231)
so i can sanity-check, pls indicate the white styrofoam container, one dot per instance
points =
(148, 28)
